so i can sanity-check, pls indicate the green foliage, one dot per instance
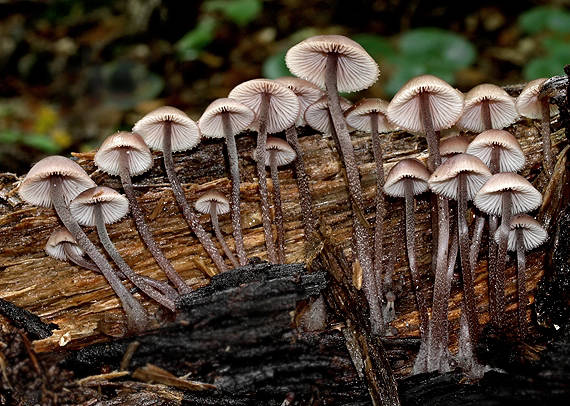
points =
(41, 142)
(190, 45)
(241, 12)
(545, 18)
(274, 67)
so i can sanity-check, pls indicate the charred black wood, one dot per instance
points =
(26, 320)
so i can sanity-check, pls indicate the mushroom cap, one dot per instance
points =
(511, 156)
(317, 114)
(528, 103)
(306, 92)
(443, 180)
(525, 197)
(359, 115)
(36, 186)
(445, 103)
(501, 106)
(139, 156)
(533, 233)
(207, 199)
(409, 168)
(356, 69)
(184, 131)
(54, 246)
(456, 144)
(283, 104)
(280, 150)
(114, 205)
(211, 123)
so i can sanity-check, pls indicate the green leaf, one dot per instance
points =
(240, 12)
(41, 142)
(403, 73)
(544, 68)
(190, 45)
(274, 67)
(9, 137)
(545, 18)
(378, 47)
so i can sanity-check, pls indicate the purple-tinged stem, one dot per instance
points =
(521, 282)
(380, 209)
(476, 241)
(502, 254)
(220, 237)
(495, 293)
(486, 115)
(545, 130)
(278, 209)
(434, 159)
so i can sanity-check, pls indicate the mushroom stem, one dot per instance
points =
(278, 210)
(302, 183)
(434, 159)
(234, 198)
(137, 317)
(124, 267)
(476, 241)
(380, 210)
(143, 229)
(361, 235)
(486, 115)
(220, 237)
(545, 129)
(261, 153)
(188, 213)
(502, 254)
(79, 260)
(521, 282)
(495, 294)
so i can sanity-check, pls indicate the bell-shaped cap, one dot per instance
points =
(456, 144)
(525, 197)
(511, 156)
(501, 107)
(36, 186)
(184, 131)
(528, 103)
(212, 198)
(139, 157)
(279, 150)
(306, 92)
(359, 116)
(114, 205)
(356, 69)
(445, 104)
(283, 107)
(317, 114)
(533, 233)
(445, 179)
(407, 169)
(212, 125)
(55, 244)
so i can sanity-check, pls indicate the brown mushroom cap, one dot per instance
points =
(501, 107)
(114, 206)
(443, 180)
(205, 201)
(35, 188)
(446, 104)
(528, 103)
(317, 114)
(283, 152)
(358, 116)
(525, 197)
(533, 233)
(283, 104)
(356, 69)
(409, 168)
(306, 92)
(511, 156)
(139, 155)
(185, 133)
(211, 123)
(54, 246)
(453, 145)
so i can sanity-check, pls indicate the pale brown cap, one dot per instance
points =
(211, 123)
(114, 205)
(444, 180)
(501, 107)
(356, 69)
(359, 115)
(511, 156)
(139, 156)
(212, 197)
(283, 103)
(528, 103)
(409, 168)
(185, 133)
(54, 245)
(453, 145)
(446, 104)
(533, 233)
(525, 197)
(36, 186)
(281, 151)
(317, 114)
(306, 92)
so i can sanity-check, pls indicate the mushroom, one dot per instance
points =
(215, 203)
(227, 118)
(56, 180)
(98, 206)
(279, 153)
(125, 154)
(168, 129)
(277, 109)
(453, 145)
(525, 234)
(505, 194)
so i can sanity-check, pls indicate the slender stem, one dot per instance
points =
(476, 241)
(234, 198)
(123, 266)
(502, 255)
(433, 142)
(361, 235)
(137, 317)
(380, 210)
(494, 290)
(143, 229)
(309, 221)
(220, 237)
(521, 282)
(187, 212)
(486, 115)
(261, 153)
(545, 129)
(79, 260)
(278, 209)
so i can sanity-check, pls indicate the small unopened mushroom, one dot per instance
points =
(215, 203)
